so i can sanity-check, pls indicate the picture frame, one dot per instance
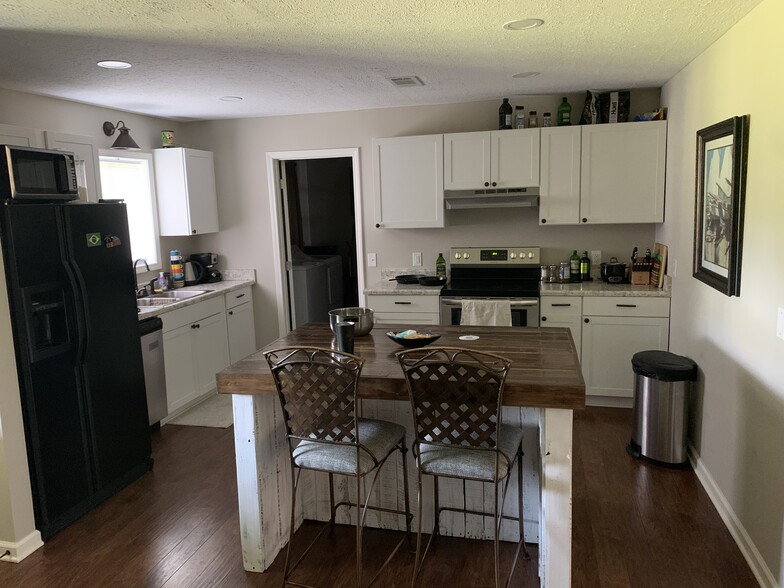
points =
(722, 151)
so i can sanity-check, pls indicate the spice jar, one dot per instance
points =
(554, 273)
(545, 269)
(564, 272)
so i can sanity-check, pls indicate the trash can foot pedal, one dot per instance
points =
(633, 449)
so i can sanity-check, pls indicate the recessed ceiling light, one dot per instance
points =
(526, 74)
(230, 98)
(109, 64)
(521, 25)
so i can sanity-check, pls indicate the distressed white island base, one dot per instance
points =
(543, 387)
(264, 486)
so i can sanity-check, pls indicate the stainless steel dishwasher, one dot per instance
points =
(154, 375)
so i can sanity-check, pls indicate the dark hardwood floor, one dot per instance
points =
(635, 524)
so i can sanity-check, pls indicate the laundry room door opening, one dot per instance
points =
(319, 235)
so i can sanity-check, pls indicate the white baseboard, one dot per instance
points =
(609, 401)
(187, 406)
(750, 552)
(21, 549)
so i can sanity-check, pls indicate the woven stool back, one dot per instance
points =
(317, 391)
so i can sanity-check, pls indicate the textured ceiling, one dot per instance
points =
(302, 56)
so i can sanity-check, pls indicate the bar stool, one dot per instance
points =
(456, 398)
(317, 392)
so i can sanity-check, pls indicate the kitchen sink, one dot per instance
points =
(177, 295)
(166, 298)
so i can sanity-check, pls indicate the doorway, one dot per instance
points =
(317, 209)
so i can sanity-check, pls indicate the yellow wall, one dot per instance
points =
(738, 415)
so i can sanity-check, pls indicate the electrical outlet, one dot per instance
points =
(596, 258)
(672, 267)
(371, 260)
(416, 259)
(780, 324)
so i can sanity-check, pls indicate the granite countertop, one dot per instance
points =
(599, 288)
(213, 290)
(394, 289)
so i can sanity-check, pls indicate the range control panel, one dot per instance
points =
(494, 255)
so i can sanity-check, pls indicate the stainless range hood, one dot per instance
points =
(504, 198)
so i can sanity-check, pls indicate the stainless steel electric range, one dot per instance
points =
(510, 273)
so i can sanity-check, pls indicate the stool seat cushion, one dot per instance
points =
(379, 437)
(478, 464)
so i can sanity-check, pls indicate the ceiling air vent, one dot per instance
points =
(406, 81)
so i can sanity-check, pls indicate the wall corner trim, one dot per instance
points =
(21, 549)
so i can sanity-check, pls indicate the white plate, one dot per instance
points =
(468, 337)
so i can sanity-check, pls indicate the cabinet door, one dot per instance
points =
(242, 332)
(87, 165)
(211, 350)
(563, 311)
(202, 197)
(515, 158)
(23, 136)
(609, 342)
(467, 161)
(559, 193)
(409, 182)
(181, 377)
(622, 179)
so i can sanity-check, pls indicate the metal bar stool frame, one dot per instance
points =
(440, 379)
(337, 423)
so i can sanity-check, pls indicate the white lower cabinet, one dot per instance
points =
(613, 330)
(563, 311)
(391, 309)
(195, 348)
(240, 325)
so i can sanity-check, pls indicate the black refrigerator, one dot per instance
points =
(71, 287)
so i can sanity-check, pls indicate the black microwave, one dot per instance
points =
(27, 173)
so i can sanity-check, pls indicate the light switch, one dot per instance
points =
(371, 260)
(780, 324)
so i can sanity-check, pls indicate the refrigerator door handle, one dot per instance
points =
(75, 279)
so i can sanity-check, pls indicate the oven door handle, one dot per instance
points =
(512, 303)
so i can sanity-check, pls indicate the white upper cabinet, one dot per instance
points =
(622, 172)
(24, 136)
(559, 193)
(491, 159)
(185, 185)
(409, 182)
(596, 174)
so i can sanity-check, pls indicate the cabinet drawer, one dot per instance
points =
(192, 313)
(237, 297)
(626, 306)
(405, 319)
(403, 304)
(561, 305)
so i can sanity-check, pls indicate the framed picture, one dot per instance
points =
(718, 219)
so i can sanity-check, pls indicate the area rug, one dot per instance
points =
(216, 411)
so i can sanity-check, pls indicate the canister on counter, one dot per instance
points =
(553, 273)
(545, 269)
(563, 275)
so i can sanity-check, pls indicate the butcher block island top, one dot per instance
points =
(545, 371)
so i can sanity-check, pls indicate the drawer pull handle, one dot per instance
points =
(396, 302)
(626, 305)
(195, 326)
(239, 295)
(562, 304)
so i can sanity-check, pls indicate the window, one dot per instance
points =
(129, 177)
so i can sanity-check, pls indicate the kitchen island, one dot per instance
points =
(545, 375)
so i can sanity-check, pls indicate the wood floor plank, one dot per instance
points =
(634, 525)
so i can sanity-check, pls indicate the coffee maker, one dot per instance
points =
(207, 261)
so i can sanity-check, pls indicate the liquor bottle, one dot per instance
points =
(564, 113)
(505, 115)
(440, 265)
(585, 267)
(574, 267)
(519, 118)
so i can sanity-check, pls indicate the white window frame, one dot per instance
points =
(109, 155)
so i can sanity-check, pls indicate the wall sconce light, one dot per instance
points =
(124, 140)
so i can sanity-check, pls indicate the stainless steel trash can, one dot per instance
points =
(662, 381)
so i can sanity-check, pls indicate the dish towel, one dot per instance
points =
(489, 313)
